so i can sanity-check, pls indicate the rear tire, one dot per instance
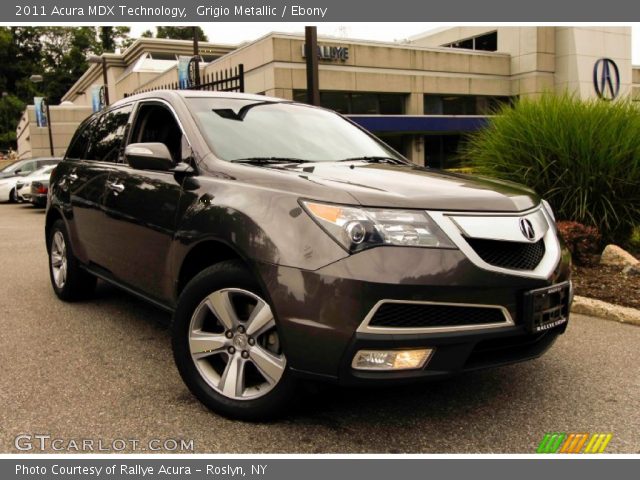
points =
(69, 281)
(226, 345)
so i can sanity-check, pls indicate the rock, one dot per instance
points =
(607, 311)
(632, 269)
(614, 255)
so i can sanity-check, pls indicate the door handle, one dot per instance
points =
(73, 177)
(116, 187)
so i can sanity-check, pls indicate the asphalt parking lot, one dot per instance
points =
(103, 369)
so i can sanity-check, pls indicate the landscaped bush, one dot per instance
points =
(582, 156)
(583, 242)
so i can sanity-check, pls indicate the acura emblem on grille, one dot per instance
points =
(527, 229)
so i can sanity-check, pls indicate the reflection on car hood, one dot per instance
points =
(409, 186)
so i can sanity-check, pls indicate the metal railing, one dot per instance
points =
(226, 80)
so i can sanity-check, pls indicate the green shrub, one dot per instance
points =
(582, 156)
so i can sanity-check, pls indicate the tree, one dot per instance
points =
(11, 107)
(180, 33)
(147, 34)
(57, 53)
(112, 38)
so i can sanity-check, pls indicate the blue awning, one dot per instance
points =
(419, 124)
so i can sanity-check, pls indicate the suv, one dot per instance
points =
(289, 243)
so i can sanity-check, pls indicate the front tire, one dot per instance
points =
(69, 281)
(13, 196)
(227, 347)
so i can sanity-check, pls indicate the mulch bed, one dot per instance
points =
(607, 283)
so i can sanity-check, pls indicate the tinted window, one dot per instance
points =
(80, 141)
(106, 141)
(463, 104)
(156, 123)
(355, 103)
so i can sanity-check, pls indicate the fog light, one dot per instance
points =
(391, 359)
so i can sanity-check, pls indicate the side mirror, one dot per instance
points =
(149, 156)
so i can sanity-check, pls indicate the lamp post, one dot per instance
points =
(196, 54)
(38, 79)
(311, 54)
(103, 61)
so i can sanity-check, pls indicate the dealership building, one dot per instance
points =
(422, 95)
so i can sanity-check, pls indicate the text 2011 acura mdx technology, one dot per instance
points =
(289, 243)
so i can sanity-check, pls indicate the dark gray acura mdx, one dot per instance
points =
(290, 244)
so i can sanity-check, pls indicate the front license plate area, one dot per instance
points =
(547, 307)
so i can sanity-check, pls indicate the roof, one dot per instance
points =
(168, 94)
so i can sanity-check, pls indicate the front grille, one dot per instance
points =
(513, 255)
(413, 315)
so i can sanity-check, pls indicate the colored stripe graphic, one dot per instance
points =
(598, 443)
(574, 442)
(551, 442)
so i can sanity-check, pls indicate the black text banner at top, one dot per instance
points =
(488, 11)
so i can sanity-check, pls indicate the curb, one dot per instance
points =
(604, 310)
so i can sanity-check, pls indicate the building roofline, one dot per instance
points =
(138, 48)
(354, 41)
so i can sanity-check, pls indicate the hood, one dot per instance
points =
(409, 186)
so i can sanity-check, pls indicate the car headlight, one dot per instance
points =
(360, 228)
(549, 210)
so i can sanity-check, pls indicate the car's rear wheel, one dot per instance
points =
(227, 346)
(69, 281)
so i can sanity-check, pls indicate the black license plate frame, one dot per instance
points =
(548, 307)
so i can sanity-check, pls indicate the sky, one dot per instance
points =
(234, 33)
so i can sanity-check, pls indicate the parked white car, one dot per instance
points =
(8, 183)
(23, 185)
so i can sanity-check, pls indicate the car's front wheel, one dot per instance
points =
(227, 345)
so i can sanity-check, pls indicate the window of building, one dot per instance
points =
(357, 103)
(487, 42)
(397, 142)
(442, 151)
(463, 104)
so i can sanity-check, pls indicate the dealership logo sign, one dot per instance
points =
(606, 79)
(325, 52)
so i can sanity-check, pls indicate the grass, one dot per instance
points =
(582, 156)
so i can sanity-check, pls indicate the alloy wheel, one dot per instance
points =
(234, 344)
(59, 259)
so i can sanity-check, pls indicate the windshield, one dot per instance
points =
(239, 129)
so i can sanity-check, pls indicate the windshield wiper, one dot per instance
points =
(269, 160)
(374, 159)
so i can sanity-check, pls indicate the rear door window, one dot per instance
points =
(106, 143)
(80, 141)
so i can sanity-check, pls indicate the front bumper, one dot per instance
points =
(320, 312)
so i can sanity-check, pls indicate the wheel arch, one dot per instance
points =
(53, 215)
(207, 252)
